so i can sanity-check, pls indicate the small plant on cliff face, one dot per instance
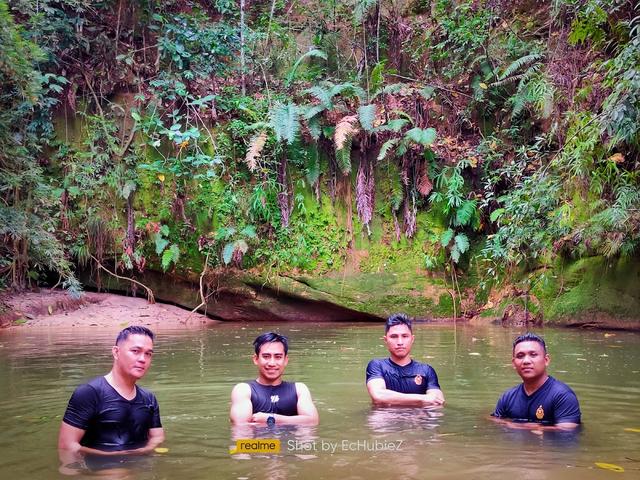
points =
(450, 198)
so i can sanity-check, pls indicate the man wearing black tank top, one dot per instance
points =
(268, 399)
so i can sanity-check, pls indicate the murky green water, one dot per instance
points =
(194, 371)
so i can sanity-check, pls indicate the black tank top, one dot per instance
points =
(281, 399)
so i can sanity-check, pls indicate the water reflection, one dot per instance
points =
(401, 419)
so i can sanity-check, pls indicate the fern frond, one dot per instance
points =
(424, 182)
(311, 53)
(309, 111)
(315, 129)
(393, 88)
(376, 79)
(394, 125)
(313, 165)
(362, 8)
(519, 63)
(348, 90)
(323, 94)
(343, 157)
(345, 129)
(386, 147)
(255, 147)
(284, 121)
(367, 115)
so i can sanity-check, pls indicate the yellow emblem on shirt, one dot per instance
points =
(418, 379)
(540, 413)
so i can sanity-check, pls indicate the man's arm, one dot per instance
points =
(307, 412)
(564, 426)
(381, 395)
(69, 444)
(241, 406)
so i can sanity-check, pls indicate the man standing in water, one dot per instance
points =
(540, 401)
(399, 380)
(268, 399)
(111, 415)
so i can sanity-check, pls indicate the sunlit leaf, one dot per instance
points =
(610, 466)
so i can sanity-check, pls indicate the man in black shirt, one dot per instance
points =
(111, 415)
(399, 380)
(268, 399)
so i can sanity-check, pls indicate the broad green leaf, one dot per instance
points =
(367, 114)
(161, 243)
(422, 136)
(446, 237)
(496, 214)
(227, 252)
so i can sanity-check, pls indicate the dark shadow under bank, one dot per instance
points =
(235, 298)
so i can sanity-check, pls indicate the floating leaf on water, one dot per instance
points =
(635, 430)
(161, 450)
(607, 335)
(610, 466)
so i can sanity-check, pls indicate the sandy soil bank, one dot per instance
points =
(57, 309)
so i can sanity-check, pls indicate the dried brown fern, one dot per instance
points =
(424, 182)
(255, 147)
(345, 129)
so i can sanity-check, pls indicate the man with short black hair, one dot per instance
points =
(540, 401)
(111, 415)
(268, 399)
(399, 380)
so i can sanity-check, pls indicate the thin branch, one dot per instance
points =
(150, 297)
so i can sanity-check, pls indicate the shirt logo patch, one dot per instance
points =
(275, 398)
(540, 413)
(418, 379)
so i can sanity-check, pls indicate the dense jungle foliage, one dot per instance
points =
(489, 136)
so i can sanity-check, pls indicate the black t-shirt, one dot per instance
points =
(554, 402)
(111, 422)
(281, 399)
(415, 377)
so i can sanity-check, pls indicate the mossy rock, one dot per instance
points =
(592, 291)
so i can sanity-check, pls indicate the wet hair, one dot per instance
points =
(133, 330)
(270, 337)
(530, 337)
(397, 319)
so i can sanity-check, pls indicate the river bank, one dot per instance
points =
(57, 309)
(47, 308)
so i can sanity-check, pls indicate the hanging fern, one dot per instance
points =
(343, 157)
(386, 147)
(284, 121)
(311, 53)
(367, 115)
(323, 94)
(345, 129)
(312, 165)
(255, 147)
(516, 65)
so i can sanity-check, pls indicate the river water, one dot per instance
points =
(193, 373)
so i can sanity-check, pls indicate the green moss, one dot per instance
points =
(592, 284)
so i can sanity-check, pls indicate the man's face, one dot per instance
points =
(271, 361)
(399, 340)
(530, 361)
(133, 356)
